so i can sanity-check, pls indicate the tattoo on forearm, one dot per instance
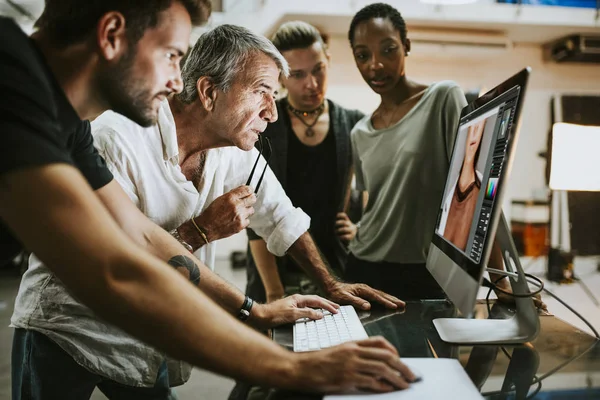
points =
(187, 268)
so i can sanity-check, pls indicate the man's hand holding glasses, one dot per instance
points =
(228, 214)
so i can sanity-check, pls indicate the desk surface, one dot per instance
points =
(563, 362)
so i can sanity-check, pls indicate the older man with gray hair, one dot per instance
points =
(197, 173)
(188, 174)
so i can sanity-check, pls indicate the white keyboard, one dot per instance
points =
(329, 331)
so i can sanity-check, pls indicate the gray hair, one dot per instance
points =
(220, 54)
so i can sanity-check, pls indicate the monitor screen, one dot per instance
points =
(476, 166)
(472, 183)
(471, 203)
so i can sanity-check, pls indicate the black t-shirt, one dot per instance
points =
(311, 179)
(38, 125)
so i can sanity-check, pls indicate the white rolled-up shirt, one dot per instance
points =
(145, 162)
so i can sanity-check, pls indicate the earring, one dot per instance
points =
(408, 53)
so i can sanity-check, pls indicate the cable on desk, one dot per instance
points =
(574, 312)
(537, 389)
(531, 279)
(540, 284)
(536, 380)
(537, 281)
(577, 279)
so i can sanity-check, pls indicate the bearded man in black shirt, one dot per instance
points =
(124, 55)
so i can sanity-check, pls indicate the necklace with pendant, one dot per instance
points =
(310, 132)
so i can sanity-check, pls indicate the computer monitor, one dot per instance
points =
(471, 212)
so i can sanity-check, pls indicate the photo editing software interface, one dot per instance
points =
(478, 159)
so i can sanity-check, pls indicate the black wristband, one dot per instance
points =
(244, 313)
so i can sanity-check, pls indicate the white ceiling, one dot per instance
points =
(35, 7)
(517, 33)
(535, 24)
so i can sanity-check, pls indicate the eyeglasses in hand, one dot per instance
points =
(267, 157)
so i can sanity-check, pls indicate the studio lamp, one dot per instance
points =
(574, 167)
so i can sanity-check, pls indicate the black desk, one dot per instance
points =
(563, 359)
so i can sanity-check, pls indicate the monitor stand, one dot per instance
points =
(522, 327)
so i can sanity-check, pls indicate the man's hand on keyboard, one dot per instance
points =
(372, 364)
(290, 309)
(358, 295)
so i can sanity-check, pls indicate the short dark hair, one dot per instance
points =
(69, 21)
(378, 10)
(297, 35)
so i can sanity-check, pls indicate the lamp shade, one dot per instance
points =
(575, 150)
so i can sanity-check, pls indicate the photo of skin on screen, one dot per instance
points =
(465, 188)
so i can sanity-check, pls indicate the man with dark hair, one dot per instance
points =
(103, 249)
(45, 310)
(66, 22)
(47, 153)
